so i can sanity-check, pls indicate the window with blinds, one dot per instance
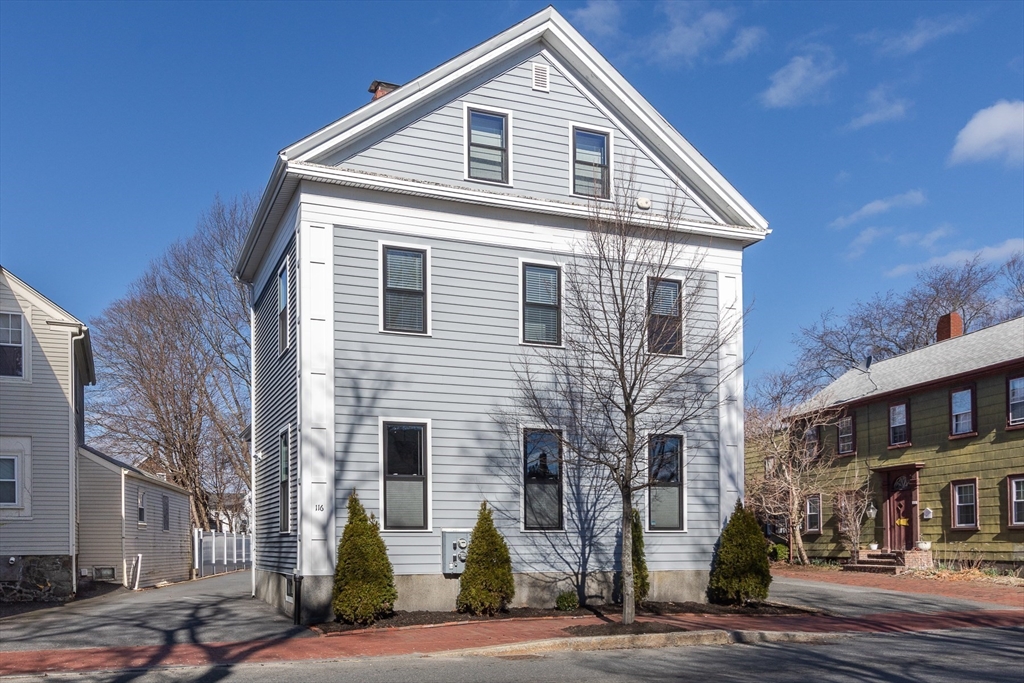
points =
(405, 290)
(405, 476)
(665, 319)
(542, 304)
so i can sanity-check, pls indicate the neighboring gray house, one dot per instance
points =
(392, 261)
(134, 527)
(45, 362)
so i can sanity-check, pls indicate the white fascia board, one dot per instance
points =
(337, 176)
(267, 201)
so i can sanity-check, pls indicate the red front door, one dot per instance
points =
(902, 513)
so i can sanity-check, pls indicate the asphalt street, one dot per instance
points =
(982, 655)
(217, 609)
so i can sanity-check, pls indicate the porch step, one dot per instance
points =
(874, 568)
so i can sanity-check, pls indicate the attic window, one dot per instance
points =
(540, 78)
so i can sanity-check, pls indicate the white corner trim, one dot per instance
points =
(509, 126)
(428, 456)
(427, 276)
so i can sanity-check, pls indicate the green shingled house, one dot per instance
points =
(941, 431)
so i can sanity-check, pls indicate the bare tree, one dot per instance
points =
(638, 358)
(849, 505)
(893, 323)
(786, 437)
(1013, 272)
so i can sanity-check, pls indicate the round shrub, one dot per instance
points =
(778, 552)
(364, 581)
(486, 586)
(740, 572)
(641, 581)
(567, 601)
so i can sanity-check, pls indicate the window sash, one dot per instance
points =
(844, 429)
(142, 507)
(899, 424)
(666, 510)
(665, 316)
(284, 469)
(542, 480)
(12, 345)
(965, 505)
(405, 289)
(405, 494)
(542, 303)
(487, 149)
(961, 411)
(812, 514)
(1017, 501)
(165, 504)
(590, 164)
(8, 480)
(1015, 398)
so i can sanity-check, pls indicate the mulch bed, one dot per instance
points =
(405, 619)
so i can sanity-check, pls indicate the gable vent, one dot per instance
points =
(541, 77)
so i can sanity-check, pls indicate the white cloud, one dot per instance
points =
(994, 254)
(803, 80)
(881, 106)
(745, 42)
(880, 206)
(861, 242)
(925, 240)
(691, 30)
(598, 17)
(993, 133)
(924, 31)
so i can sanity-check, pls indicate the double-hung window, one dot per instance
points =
(142, 506)
(542, 479)
(405, 290)
(12, 345)
(846, 441)
(590, 176)
(665, 316)
(1015, 401)
(8, 480)
(812, 441)
(899, 424)
(284, 480)
(1015, 499)
(665, 461)
(165, 504)
(282, 309)
(812, 514)
(961, 411)
(405, 475)
(542, 298)
(487, 138)
(965, 503)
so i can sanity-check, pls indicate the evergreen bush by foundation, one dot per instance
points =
(364, 581)
(740, 572)
(641, 582)
(486, 586)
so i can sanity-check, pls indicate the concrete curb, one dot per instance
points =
(643, 640)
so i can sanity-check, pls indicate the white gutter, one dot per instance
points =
(252, 440)
(73, 462)
(124, 562)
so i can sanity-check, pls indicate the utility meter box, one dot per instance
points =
(454, 546)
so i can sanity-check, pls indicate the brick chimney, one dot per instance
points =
(950, 325)
(380, 89)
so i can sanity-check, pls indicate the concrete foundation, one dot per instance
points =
(313, 592)
(42, 578)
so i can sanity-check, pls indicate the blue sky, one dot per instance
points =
(874, 137)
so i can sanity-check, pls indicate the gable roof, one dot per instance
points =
(58, 314)
(298, 161)
(113, 463)
(994, 346)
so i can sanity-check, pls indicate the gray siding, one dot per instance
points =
(99, 517)
(457, 378)
(431, 148)
(166, 555)
(40, 409)
(275, 403)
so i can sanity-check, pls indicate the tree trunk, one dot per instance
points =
(795, 520)
(628, 596)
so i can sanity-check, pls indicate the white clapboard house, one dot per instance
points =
(391, 261)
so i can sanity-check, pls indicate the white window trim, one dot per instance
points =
(381, 438)
(969, 412)
(1009, 406)
(955, 516)
(484, 109)
(20, 448)
(683, 483)
(428, 272)
(610, 132)
(289, 581)
(140, 498)
(18, 495)
(1013, 523)
(289, 529)
(281, 350)
(807, 504)
(522, 481)
(520, 301)
(26, 347)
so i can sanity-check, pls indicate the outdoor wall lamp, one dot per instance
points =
(872, 510)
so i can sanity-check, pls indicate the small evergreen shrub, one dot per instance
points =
(486, 586)
(364, 581)
(740, 572)
(778, 552)
(567, 601)
(641, 580)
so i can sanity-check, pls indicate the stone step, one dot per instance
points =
(873, 568)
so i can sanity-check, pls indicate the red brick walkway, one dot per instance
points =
(977, 591)
(382, 642)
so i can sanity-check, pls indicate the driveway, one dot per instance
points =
(213, 610)
(855, 601)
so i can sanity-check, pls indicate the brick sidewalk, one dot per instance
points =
(383, 642)
(977, 591)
